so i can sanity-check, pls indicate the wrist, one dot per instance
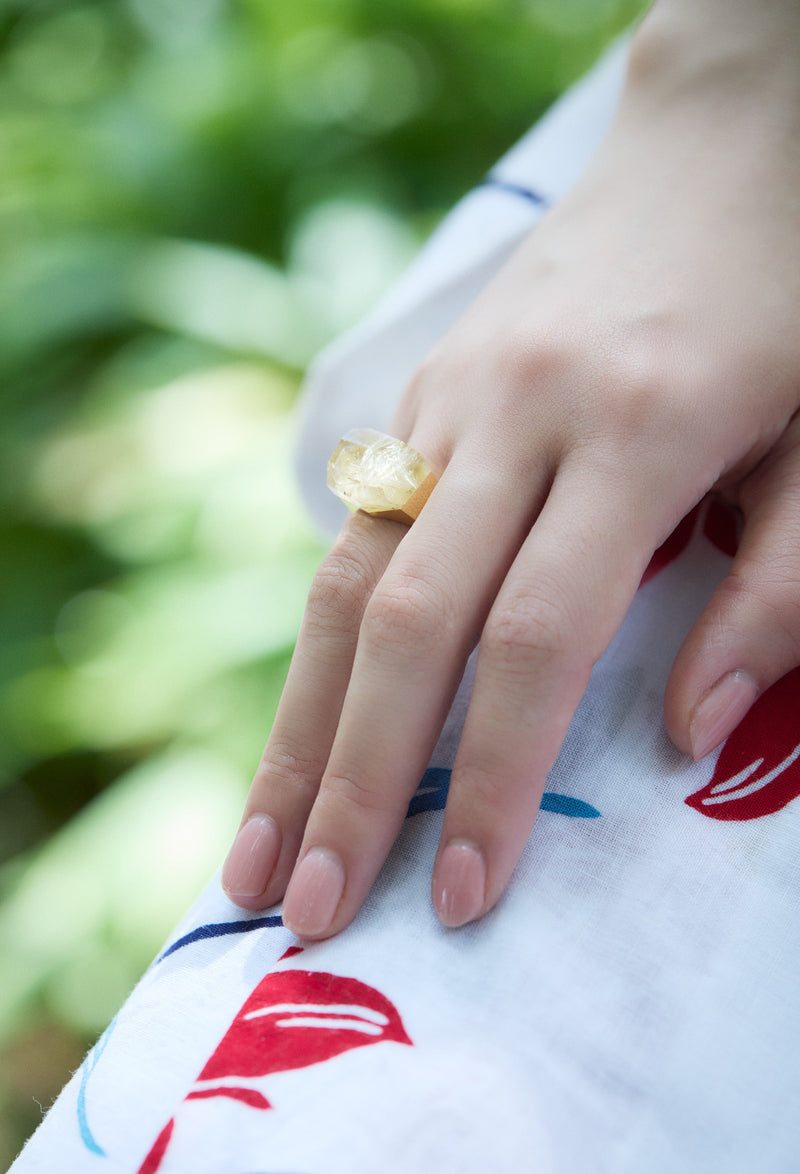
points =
(731, 48)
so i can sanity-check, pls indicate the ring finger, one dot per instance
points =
(559, 608)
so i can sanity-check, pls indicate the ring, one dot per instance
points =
(380, 475)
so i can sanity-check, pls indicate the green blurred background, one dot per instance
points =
(194, 196)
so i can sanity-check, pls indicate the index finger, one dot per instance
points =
(259, 864)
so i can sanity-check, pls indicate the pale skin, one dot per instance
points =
(640, 350)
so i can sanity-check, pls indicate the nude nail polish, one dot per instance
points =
(460, 884)
(720, 711)
(314, 893)
(252, 858)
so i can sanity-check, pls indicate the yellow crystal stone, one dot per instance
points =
(379, 474)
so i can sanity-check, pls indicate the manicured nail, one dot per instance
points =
(252, 858)
(314, 893)
(460, 888)
(720, 711)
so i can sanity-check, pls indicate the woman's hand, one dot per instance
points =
(640, 349)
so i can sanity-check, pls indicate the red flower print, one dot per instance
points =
(292, 1019)
(758, 770)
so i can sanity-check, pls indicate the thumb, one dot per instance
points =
(748, 636)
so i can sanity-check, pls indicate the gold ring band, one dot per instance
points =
(380, 475)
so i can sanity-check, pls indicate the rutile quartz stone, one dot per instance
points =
(381, 475)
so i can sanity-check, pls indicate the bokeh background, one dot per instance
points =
(194, 196)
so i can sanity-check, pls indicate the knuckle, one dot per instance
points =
(532, 370)
(539, 360)
(338, 593)
(637, 395)
(633, 398)
(527, 627)
(409, 614)
(353, 795)
(641, 394)
(752, 604)
(488, 790)
(287, 767)
(646, 398)
(443, 368)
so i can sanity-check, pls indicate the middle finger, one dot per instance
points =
(419, 628)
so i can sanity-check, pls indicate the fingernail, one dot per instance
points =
(314, 893)
(460, 889)
(252, 858)
(720, 711)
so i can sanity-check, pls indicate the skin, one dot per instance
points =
(638, 351)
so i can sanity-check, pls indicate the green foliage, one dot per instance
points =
(194, 196)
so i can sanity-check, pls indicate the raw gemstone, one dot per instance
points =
(374, 472)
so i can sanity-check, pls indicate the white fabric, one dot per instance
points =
(632, 1004)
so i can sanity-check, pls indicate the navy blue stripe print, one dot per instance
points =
(220, 929)
(431, 795)
(516, 189)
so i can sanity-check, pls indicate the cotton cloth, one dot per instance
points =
(631, 1006)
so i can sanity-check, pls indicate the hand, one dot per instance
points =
(639, 350)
